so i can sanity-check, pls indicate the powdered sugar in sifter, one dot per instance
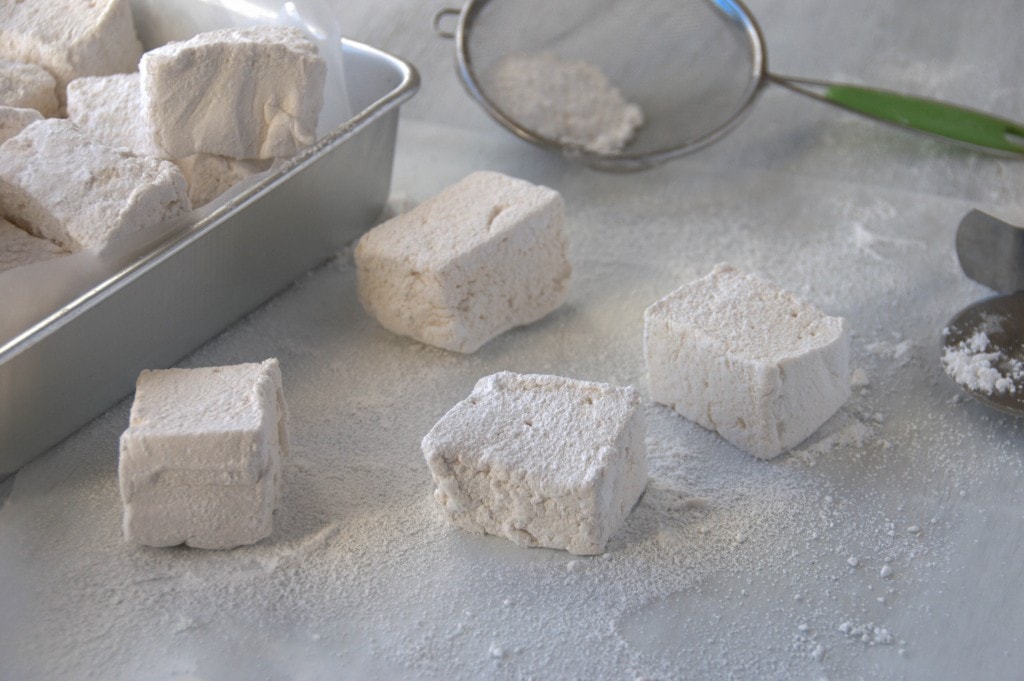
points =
(694, 67)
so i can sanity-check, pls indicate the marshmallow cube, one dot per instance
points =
(253, 92)
(201, 458)
(109, 108)
(210, 176)
(13, 120)
(28, 86)
(18, 247)
(485, 255)
(740, 356)
(541, 460)
(71, 38)
(60, 184)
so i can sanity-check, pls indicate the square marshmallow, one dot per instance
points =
(541, 460)
(485, 255)
(109, 108)
(252, 92)
(28, 86)
(60, 184)
(70, 38)
(13, 120)
(201, 458)
(210, 176)
(740, 356)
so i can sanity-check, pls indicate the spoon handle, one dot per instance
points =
(991, 252)
(951, 122)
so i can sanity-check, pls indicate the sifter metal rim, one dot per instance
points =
(733, 11)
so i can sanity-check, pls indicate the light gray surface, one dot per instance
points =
(729, 567)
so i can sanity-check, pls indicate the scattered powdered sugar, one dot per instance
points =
(898, 349)
(972, 364)
(859, 378)
(362, 570)
(868, 633)
(843, 431)
(728, 567)
(870, 242)
(569, 101)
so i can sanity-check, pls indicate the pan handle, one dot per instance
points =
(951, 122)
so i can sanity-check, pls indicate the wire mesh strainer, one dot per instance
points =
(695, 67)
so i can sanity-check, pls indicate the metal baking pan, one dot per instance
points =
(81, 359)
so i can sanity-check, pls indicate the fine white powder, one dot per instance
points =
(728, 567)
(974, 364)
(569, 101)
(867, 633)
(363, 571)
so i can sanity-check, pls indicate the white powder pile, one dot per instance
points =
(569, 101)
(844, 431)
(973, 364)
(867, 633)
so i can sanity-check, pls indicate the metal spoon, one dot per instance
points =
(983, 351)
(983, 345)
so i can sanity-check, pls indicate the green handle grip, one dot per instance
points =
(948, 121)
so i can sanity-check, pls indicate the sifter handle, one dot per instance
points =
(939, 119)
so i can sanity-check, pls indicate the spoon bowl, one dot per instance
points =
(983, 351)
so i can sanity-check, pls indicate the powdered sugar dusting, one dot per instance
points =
(728, 567)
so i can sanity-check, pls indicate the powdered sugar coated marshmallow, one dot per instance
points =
(485, 255)
(13, 120)
(253, 92)
(70, 38)
(201, 458)
(27, 86)
(18, 247)
(60, 184)
(209, 176)
(738, 355)
(541, 460)
(110, 109)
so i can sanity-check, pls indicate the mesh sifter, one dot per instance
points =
(695, 67)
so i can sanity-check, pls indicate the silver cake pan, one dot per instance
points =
(79, 360)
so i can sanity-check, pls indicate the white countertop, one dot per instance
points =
(729, 567)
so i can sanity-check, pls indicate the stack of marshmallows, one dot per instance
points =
(100, 140)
